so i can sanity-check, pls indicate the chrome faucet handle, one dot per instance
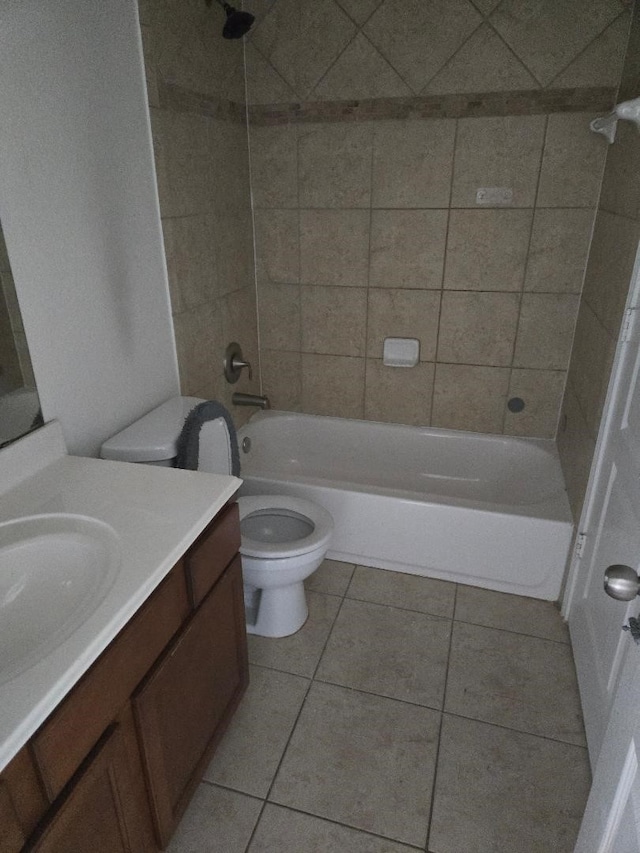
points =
(234, 363)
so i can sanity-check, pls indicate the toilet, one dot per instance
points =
(283, 539)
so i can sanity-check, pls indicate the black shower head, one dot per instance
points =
(237, 24)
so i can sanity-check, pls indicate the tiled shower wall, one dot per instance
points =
(613, 251)
(196, 93)
(368, 227)
(371, 230)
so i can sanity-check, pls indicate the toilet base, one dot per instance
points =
(281, 611)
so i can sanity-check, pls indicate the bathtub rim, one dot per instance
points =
(555, 508)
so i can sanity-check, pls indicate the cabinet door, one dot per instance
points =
(189, 697)
(95, 812)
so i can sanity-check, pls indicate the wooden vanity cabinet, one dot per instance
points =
(182, 708)
(114, 766)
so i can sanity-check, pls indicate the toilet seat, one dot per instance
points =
(318, 518)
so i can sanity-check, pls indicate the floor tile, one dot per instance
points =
(300, 653)
(362, 760)
(401, 590)
(510, 612)
(281, 830)
(331, 578)
(250, 751)
(520, 682)
(216, 820)
(397, 653)
(499, 791)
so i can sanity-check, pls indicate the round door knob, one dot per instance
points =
(621, 582)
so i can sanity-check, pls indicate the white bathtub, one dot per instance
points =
(478, 509)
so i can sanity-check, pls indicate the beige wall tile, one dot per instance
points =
(601, 63)
(572, 164)
(407, 248)
(279, 316)
(334, 320)
(182, 140)
(239, 323)
(591, 361)
(403, 314)
(498, 152)
(334, 247)
(274, 166)
(478, 328)
(360, 72)
(277, 245)
(558, 252)
(541, 391)
(412, 163)
(613, 252)
(620, 186)
(198, 341)
(359, 10)
(188, 50)
(547, 36)
(335, 165)
(192, 259)
(281, 379)
(228, 153)
(264, 84)
(487, 249)
(545, 332)
(302, 39)
(333, 385)
(576, 446)
(471, 398)
(398, 395)
(483, 64)
(418, 38)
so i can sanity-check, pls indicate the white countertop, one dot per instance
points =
(156, 512)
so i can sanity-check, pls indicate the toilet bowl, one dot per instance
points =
(283, 539)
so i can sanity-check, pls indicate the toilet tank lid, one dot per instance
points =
(153, 437)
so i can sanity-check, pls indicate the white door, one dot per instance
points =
(611, 524)
(612, 818)
(607, 659)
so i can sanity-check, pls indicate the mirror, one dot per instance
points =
(19, 404)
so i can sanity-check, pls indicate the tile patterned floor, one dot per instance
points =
(408, 714)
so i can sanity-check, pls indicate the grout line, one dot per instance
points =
(512, 367)
(293, 728)
(444, 696)
(517, 731)
(444, 270)
(366, 318)
(615, 19)
(368, 832)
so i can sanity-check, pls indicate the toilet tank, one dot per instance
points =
(153, 437)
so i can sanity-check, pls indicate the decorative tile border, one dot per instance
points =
(181, 100)
(525, 102)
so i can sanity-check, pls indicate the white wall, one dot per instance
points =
(79, 207)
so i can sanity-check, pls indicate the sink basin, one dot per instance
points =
(55, 570)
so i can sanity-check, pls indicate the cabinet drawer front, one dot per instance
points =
(75, 726)
(212, 553)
